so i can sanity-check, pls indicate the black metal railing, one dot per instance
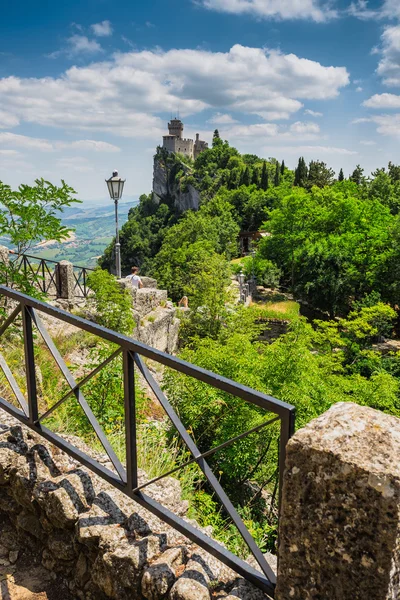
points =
(125, 477)
(43, 273)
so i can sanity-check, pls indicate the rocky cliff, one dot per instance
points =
(167, 187)
(91, 537)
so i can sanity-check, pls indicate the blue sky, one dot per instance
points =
(88, 86)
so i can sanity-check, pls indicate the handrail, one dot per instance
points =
(49, 260)
(125, 478)
(45, 275)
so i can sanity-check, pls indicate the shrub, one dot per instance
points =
(113, 304)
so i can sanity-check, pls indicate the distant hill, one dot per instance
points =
(94, 226)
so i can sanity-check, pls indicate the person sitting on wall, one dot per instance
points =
(135, 280)
(184, 302)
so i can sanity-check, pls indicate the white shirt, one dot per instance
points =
(135, 280)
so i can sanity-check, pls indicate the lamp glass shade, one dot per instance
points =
(115, 187)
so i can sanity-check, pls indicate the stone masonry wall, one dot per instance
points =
(340, 513)
(95, 539)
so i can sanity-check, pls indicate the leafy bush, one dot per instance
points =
(113, 304)
(265, 271)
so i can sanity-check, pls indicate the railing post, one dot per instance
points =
(130, 420)
(30, 364)
(286, 432)
(44, 289)
(65, 280)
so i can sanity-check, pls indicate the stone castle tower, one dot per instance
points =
(174, 142)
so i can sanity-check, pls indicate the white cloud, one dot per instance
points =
(9, 152)
(391, 9)
(360, 9)
(389, 65)
(383, 101)
(91, 145)
(79, 44)
(275, 9)
(367, 143)
(251, 131)
(102, 29)
(298, 130)
(31, 143)
(361, 120)
(23, 141)
(75, 163)
(388, 125)
(304, 128)
(8, 120)
(313, 113)
(316, 150)
(76, 45)
(359, 89)
(123, 95)
(221, 119)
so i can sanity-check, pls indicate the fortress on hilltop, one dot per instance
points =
(174, 142)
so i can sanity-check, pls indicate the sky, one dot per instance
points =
(88, 86)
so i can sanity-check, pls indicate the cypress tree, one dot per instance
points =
(341, 176)
(216, 138)
(277, 178)
(282, 167)
(301, 173)
(264, 183)
(255, 179)
(245, 178)
(358, 175)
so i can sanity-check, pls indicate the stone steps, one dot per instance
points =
(98, 541)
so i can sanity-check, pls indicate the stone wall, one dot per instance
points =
(156, 318)
(340, 519)
(92, 537)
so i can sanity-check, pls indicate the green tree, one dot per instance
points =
(216, 138)
(245, 179)
(358, 175)
(255, 179)
(341, 175)
(282, 167)
(33, 214)
(319, 174)
(113, 304)
(277, 178)
(301, 173)
(29, 215)
(264, 183)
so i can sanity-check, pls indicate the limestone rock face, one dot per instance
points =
(340, 523)
(165, 189)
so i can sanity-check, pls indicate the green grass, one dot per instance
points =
(286, 310)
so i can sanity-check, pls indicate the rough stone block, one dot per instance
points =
(149, 282)
(193, 584)
(65, 280)
(340, 521)
(147, 299)
(4, 255)
(160, 576)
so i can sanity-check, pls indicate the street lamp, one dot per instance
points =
(241, 286)
(115, 187)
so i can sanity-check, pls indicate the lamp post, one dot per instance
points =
(253, 276)
(115, 187)
(241, 286)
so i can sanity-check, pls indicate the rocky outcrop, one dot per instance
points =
(93, 537)
(156, 322)
(166, 188)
